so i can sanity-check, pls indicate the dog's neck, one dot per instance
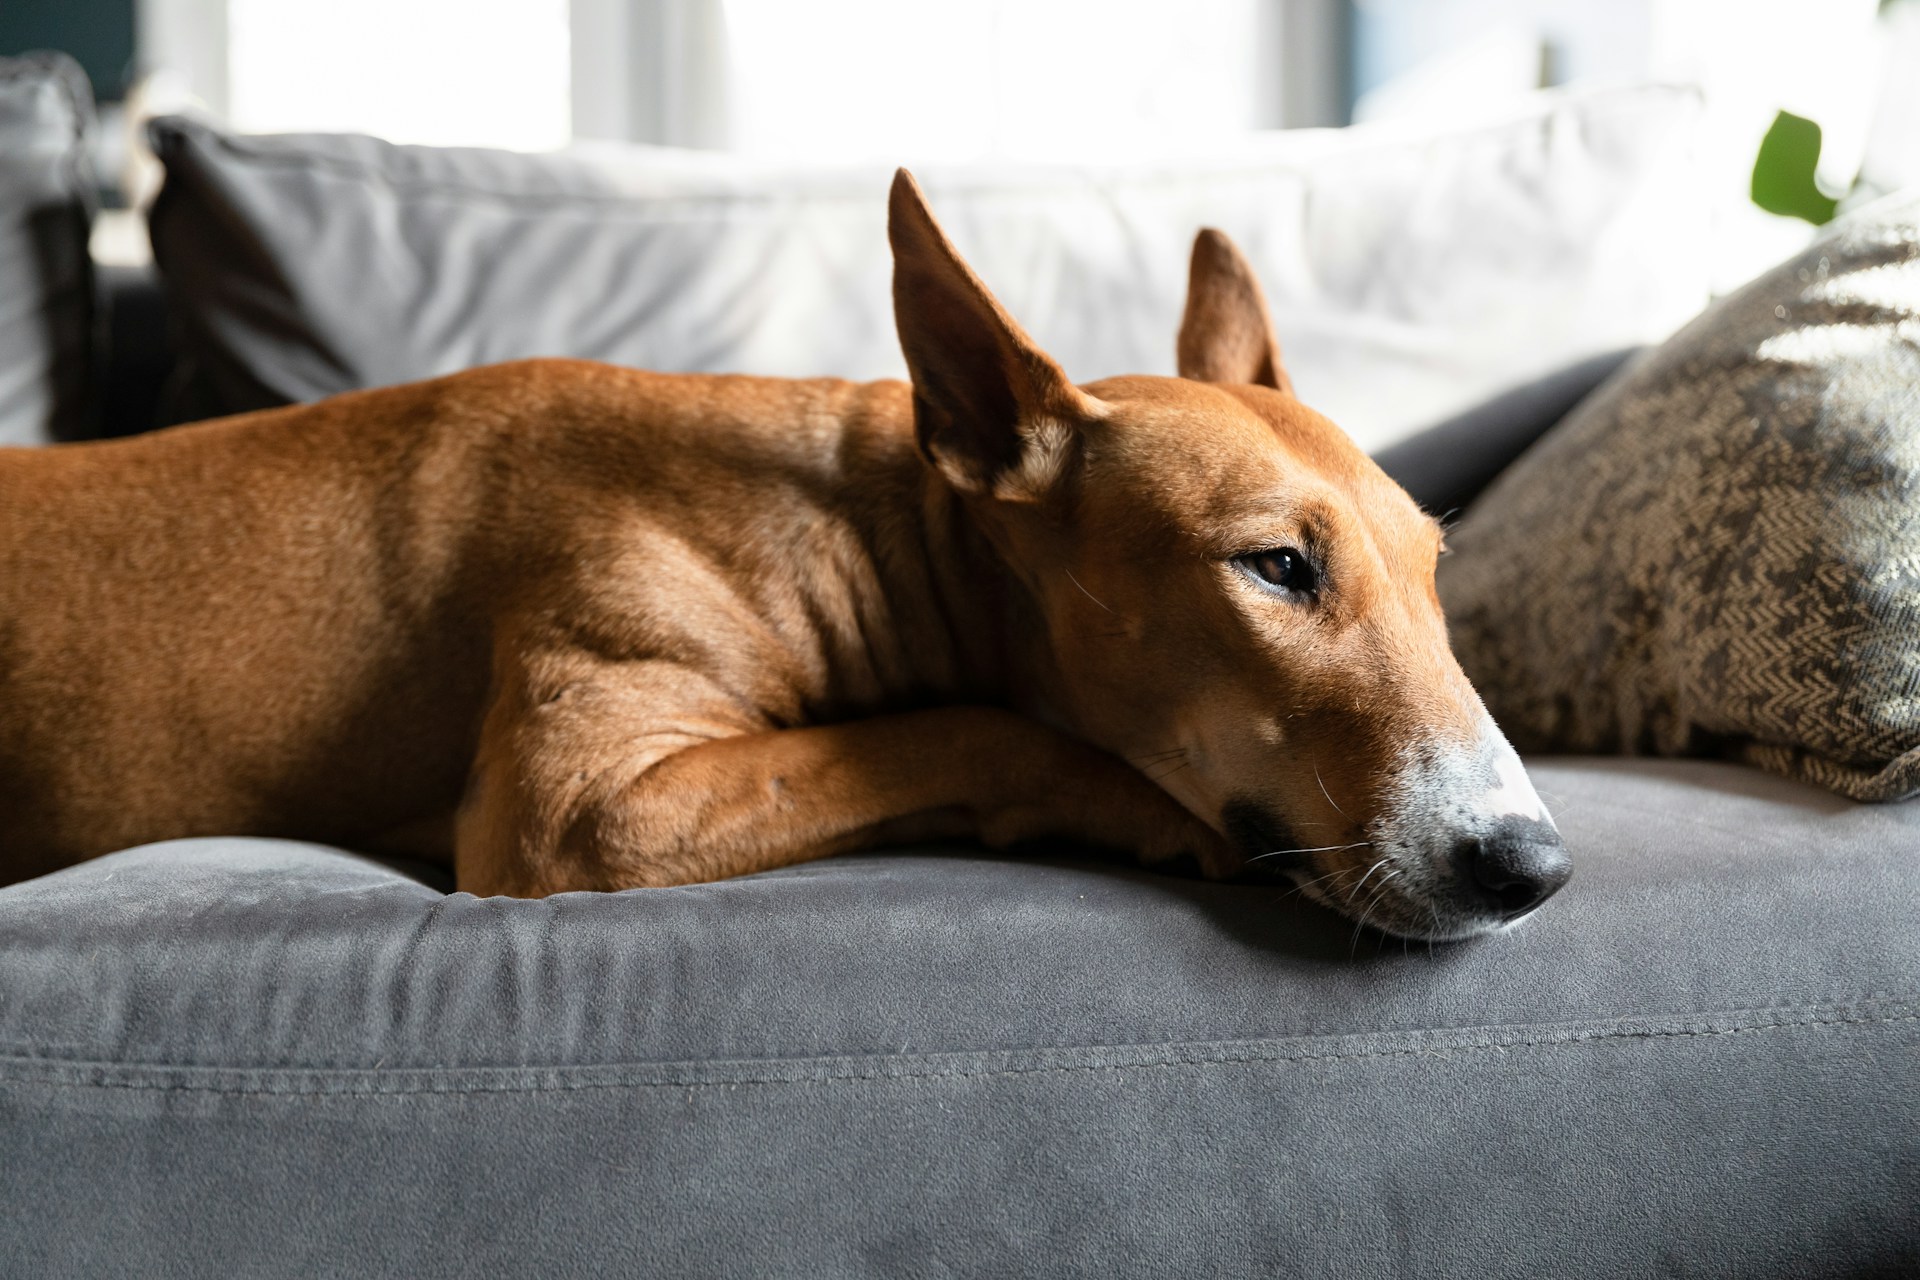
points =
(972, 633)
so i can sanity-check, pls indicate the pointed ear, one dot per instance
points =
(992, 411)
(1226, 334)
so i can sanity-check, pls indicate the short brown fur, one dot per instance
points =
(573, 626)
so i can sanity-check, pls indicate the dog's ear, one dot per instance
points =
(1226, 334)
(991, 410)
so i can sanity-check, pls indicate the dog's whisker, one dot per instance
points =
(1355, 891)
(1379, 894)
(1323, 789)
(1319, 848)
(1088, 594)
(1303, 885)
(1156, 757)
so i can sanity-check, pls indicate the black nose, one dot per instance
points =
(1515, 867)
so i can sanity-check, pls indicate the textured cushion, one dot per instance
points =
(1411, 273)
(246, 1057)
(1721, 549)
(46, 286)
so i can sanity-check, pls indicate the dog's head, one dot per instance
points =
(1230, 594)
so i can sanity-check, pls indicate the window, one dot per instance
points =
(446, 72)
(978, 79)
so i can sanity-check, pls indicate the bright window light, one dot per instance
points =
(441, 72)
(987, 79)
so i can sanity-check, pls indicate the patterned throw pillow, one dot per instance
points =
(1719, 551)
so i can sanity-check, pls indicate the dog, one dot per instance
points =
(571, 626)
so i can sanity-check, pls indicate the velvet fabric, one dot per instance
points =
(226, 1057)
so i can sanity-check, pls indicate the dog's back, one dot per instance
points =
(284, 623)
(179, 613)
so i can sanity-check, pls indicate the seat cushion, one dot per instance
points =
(227, 1056)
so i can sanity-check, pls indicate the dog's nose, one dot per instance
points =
(1515, 867)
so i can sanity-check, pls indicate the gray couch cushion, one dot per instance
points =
(223, 1057)
(46, 284)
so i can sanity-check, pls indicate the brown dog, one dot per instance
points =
(580, 627)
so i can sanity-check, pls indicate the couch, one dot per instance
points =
(237, 1056)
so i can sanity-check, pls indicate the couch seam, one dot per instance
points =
(369, 1088)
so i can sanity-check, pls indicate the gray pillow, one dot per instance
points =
(46, 280)
(1452, 462)
(1720, 550)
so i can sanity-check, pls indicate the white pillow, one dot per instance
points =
(1411, 272)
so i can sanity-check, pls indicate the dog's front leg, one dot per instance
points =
(537, 822)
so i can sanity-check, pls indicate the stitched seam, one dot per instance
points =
(26, 1053)
(349, 1088)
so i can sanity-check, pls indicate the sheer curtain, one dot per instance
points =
(941, 79)
(652, 71)
(444, 72)
(800, 79)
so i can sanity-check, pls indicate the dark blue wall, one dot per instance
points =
(97, 33)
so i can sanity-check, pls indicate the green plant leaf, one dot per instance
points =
(1783, 171)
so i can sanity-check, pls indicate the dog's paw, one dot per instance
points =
(1190, 849)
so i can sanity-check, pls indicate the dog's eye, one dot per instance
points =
(1284, 568)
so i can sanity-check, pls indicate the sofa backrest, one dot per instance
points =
(1412, 272)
